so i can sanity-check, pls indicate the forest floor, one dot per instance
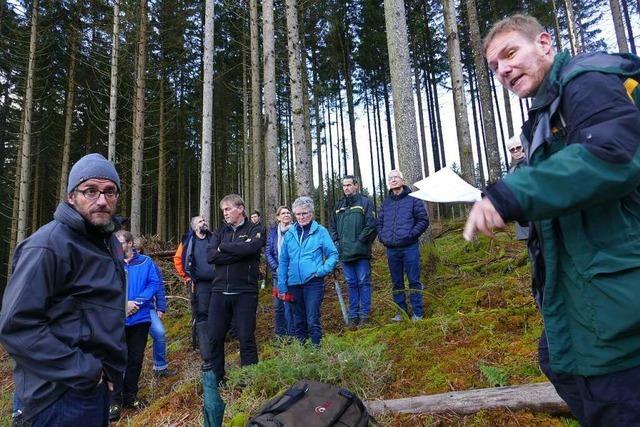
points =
(480, 330)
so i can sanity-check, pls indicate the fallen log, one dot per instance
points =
(540, 397)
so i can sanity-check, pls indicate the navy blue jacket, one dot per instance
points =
(271, 252)
(402, 219)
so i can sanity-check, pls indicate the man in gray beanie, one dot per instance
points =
(64, 307)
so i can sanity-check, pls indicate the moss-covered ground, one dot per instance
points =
(480, 330)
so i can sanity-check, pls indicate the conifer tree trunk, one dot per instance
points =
(113, 86)
(507, 111)
(207, 112)
(556, 25)
(138, 123)
(486, 106)
(387, 110)
(618, 25)
(68, 111)
(627, 20)
(25, 165)
(423, 138)
(258, 152)
(246, 126)
(404, 112)
(303, 170)
(318, 120)
(571, 26)
(272, 167)
(479, 134)
(161, 224)
(459, 99)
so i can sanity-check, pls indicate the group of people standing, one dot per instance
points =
(222, 266)
(301, 253)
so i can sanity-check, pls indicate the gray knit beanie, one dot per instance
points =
(92, 166)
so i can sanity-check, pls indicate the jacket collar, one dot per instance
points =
(405, 192)
(550, 87)
(66, 214)
(314, 226)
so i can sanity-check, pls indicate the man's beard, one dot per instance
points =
(203, 229)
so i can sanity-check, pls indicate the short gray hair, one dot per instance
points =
(303, 202)
(194, 220)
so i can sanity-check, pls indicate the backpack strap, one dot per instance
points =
(294, 394)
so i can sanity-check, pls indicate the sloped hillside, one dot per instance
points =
(480, 330)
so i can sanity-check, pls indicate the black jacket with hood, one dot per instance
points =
(63, 311)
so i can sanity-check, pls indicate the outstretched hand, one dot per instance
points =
(483, 218)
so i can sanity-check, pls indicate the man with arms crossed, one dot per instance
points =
(579, 190)
(235, 252)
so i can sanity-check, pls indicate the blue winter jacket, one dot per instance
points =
(302, 259)
(402, 219)
(271, 252)
(142, 283)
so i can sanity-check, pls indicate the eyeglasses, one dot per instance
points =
(514, 149)
(299, 214)
(391, 178)
(94, 193)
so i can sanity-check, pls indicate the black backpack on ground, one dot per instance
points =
(312, 404)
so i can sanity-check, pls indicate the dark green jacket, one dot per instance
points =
(580, 191)
(353, 227)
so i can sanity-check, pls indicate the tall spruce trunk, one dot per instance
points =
(618, 25)
(459, 99)
(318, 120)
(404, 112)
(138, 123)
(113, 85)
(486, 106)
(68, 112)
(207, 112)
(571, 26)
(423, 137)
(627, 20)
(161, 224)
(25, 165)
(272, 166)
(303, 167)
(258, 150)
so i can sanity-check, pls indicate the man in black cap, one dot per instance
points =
(64, 307)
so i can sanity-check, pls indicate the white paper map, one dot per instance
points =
(445, 186)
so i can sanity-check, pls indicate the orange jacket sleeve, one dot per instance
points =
(177, 262)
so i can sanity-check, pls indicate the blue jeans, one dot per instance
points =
(74, 408)
(358, 277)
(307, 300)
(403, 261)
(600, 400)
(283, 318)
(159, 337)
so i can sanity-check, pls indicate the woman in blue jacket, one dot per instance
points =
(306, 257)
(142, 283)
(282, 311)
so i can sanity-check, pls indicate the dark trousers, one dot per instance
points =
(403, 261)
(222, 309)
(125, 389)
(88, 408)
(600, 400)
(202, 296)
